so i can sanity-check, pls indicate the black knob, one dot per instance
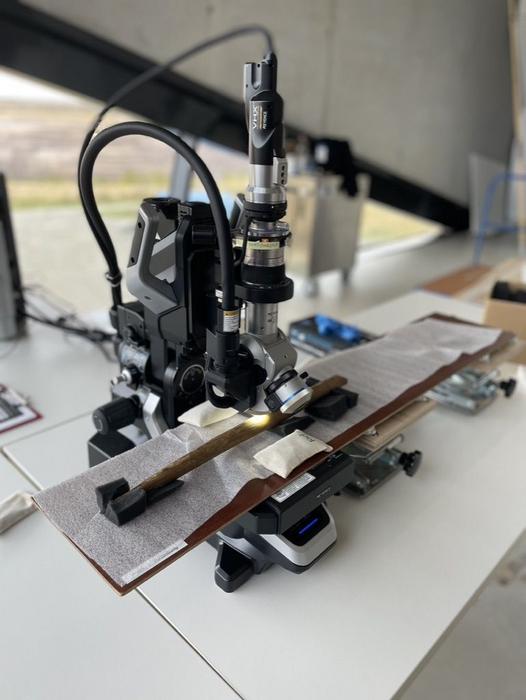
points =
(410, 461)
(508, 386)
(501, 290)
(116, 414)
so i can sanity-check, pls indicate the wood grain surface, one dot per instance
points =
(231, 438)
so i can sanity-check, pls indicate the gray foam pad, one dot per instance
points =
(380, 372)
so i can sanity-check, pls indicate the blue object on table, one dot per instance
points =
(329, 326)
(325, 325)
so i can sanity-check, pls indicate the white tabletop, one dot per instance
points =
(407, 560)
(10, 480)
(63, 376)
(53, 455)
(411, 306)
(64, 634)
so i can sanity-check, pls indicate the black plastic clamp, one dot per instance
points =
(120, 504)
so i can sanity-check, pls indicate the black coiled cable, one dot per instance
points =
(99, 142)
(84, 173)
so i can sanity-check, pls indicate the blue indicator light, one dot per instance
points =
(308, 526)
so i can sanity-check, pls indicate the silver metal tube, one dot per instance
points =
(271, 256)
(263, 319)
(261, 175)
(261, 188)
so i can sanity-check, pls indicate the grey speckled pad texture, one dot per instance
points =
(380, 372)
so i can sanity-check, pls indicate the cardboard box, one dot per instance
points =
(510, 316)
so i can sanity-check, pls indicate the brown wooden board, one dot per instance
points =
(457, 281)
(257, 490)
(388, 429)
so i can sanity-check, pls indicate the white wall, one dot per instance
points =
(416, 84)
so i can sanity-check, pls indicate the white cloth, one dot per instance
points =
(286, 454)
(205, 414)
(14, 508)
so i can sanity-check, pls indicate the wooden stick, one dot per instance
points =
(231, 438)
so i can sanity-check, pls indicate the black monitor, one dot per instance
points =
(11, 292)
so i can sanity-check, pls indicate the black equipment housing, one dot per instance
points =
(163, 351)
(168, 339)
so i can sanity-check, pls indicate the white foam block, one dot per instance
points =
(288, 453)
(205, 414)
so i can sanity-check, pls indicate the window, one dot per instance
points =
(42, 130)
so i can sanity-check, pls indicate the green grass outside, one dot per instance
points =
(120, 199)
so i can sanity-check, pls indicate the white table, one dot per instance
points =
(411, 306)
(64, 635)
(44, 462)
(63, 376)
(407, 560)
